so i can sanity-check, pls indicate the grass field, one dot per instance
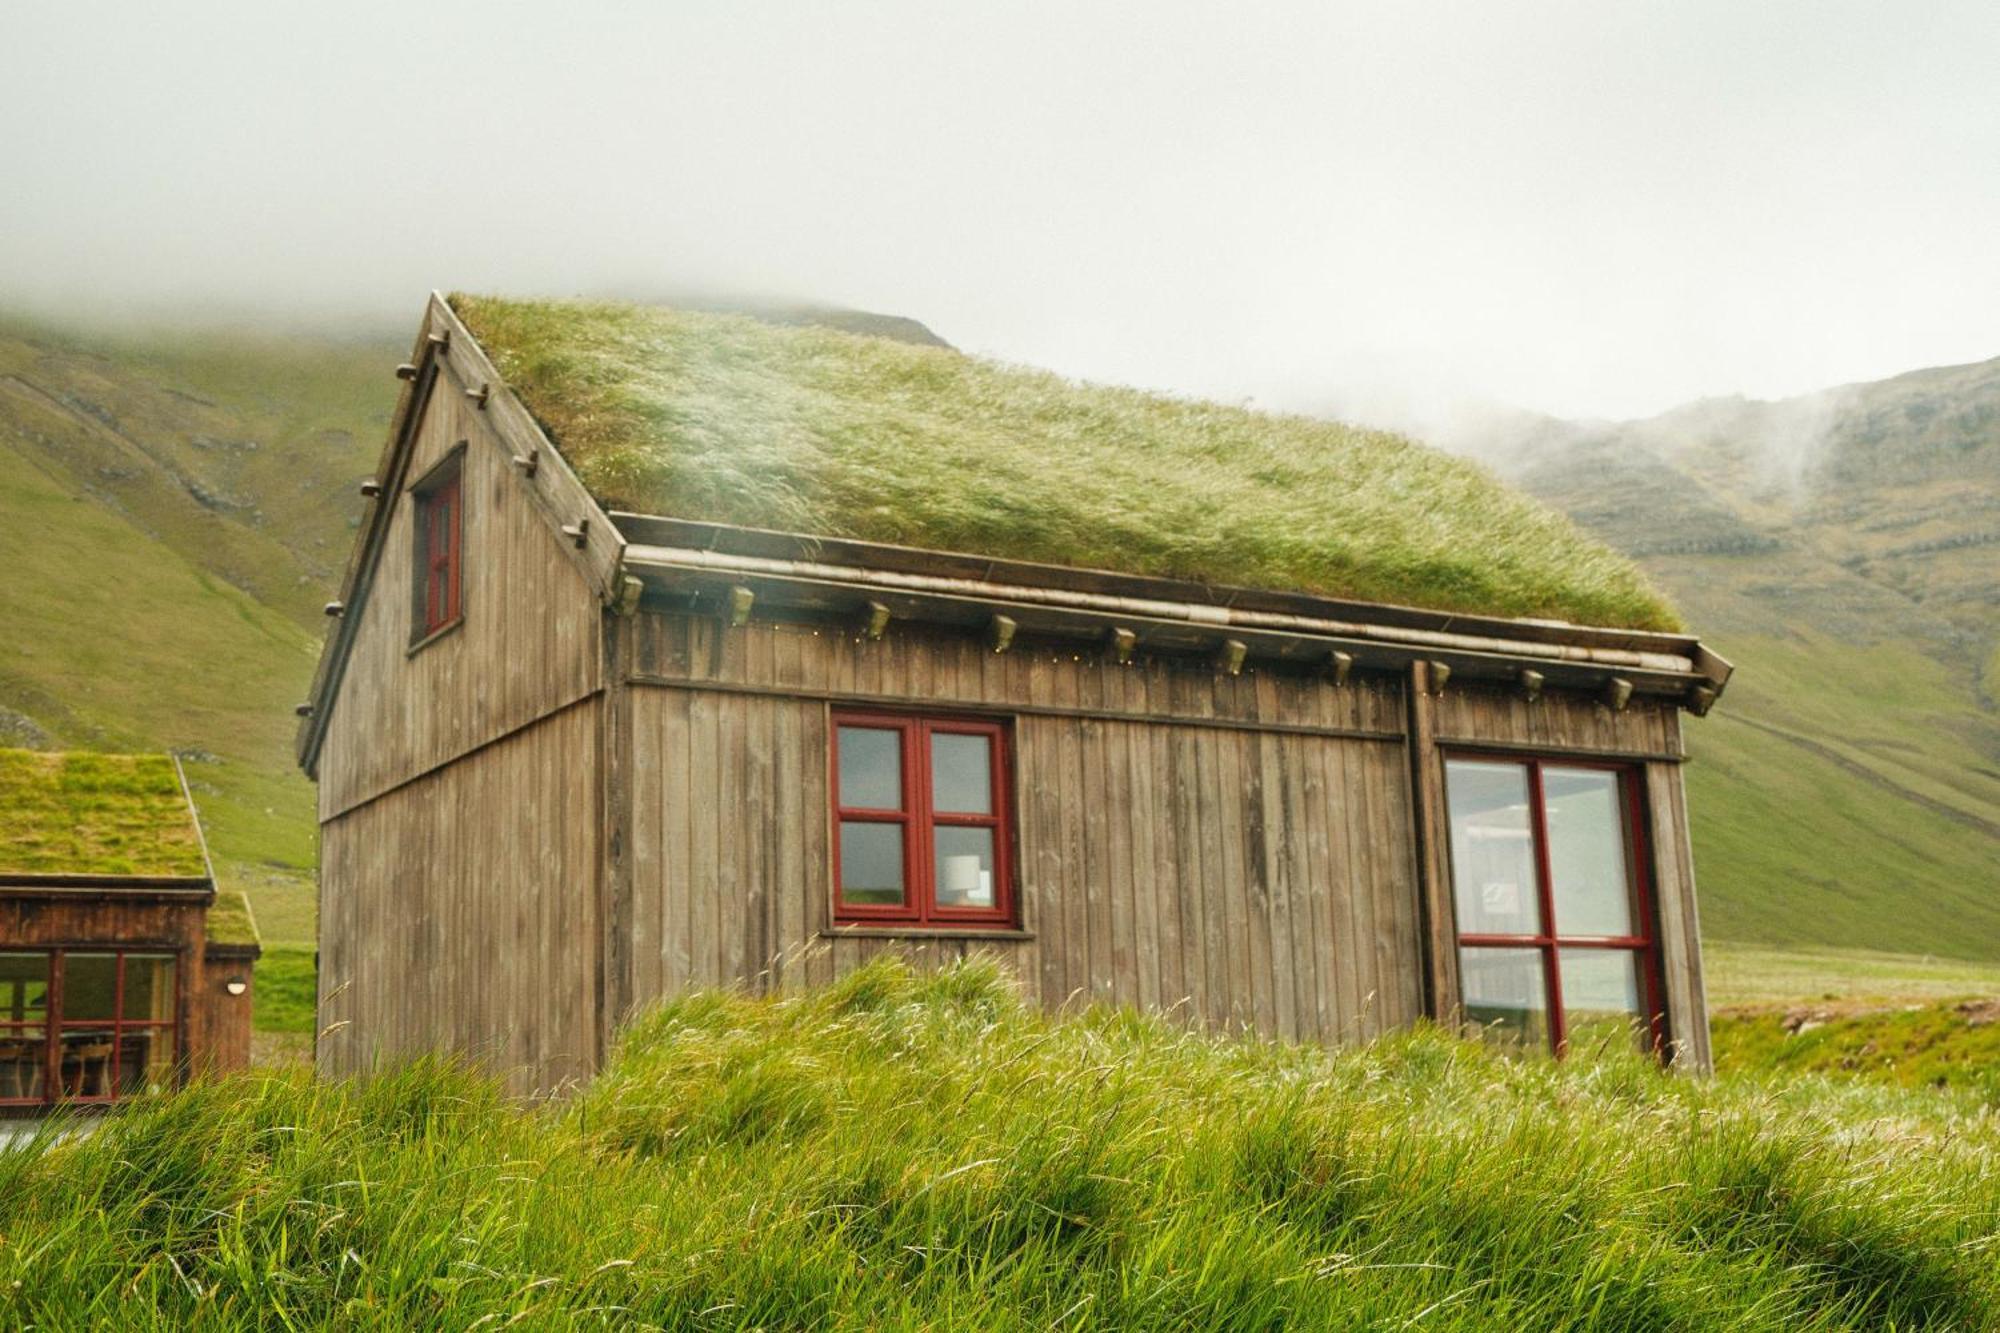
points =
(921, 1152)
(1751, 974)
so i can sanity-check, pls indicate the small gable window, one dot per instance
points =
(923, 829)
(440, 514)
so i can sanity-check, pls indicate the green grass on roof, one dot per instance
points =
(229, 919)
(726, 419)
(99, 814)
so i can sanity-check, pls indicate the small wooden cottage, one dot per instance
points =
(642, 677)
(120, 971)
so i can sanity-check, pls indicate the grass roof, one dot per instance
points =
(229, 920)
(727, 419)
(98, 814)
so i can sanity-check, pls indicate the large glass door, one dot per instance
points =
(1556, 944)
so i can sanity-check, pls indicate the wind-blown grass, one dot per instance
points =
(909, 1150)
(723, 418)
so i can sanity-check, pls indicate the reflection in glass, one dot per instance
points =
(1592, 884)
(1492, 849)
(961, 773)
(1600, 994)
(1506, 995)
(871, 768)
(23, 1061)
(871, 863)
(84, 1059)
(964, 866)
(149, 987)
(145, 1060)
(90, 986)
(24, 987)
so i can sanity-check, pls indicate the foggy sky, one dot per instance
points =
(1585, 208)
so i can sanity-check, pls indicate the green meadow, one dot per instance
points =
(917, 1151)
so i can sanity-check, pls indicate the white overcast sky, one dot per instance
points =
(1595, 207)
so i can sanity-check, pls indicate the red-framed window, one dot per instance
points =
(922, 821)
(440, 524)
(1556, 942)
(87, 1025)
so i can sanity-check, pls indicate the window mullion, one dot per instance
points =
(1538, 824)
(918, 847)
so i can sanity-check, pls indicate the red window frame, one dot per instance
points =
(920, 822)
(1552, 941)
(440, 526)
(55, 1086)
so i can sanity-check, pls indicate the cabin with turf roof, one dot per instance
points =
(686, 649)
(122, 969)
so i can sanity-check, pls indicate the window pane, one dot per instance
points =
(90, 982)
(871, 768)
(964, 866)
(149, 987)
(83, 1057)
(24, 988)
(961, 773)
(871, 863)
(1587, 862)
(1506, 995)
(23, 1059)
(1492, 849)
(1601, 997)
(145, 1061)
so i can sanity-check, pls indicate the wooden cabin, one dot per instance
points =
(573, 757)
(121, 972)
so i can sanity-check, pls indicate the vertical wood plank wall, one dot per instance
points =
(1240, 850)
(459, 912)
(528, 644)
(459, 793)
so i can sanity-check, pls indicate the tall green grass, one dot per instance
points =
(921, 1151)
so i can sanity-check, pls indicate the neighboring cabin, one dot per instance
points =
(121, 970)
(639, 683)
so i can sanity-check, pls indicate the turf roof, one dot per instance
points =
(229, 920)
(726, 419)
(99, 814)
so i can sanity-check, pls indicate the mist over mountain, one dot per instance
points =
(1844, 548)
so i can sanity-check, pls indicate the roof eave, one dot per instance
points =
(838, 578)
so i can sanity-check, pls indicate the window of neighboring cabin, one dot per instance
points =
(1555, 934)
(922, 829)
(86, 1025)
(440, 522)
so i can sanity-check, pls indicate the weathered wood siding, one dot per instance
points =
(458, 912)
(528, 644)
(1235, 849)
(916, 665)
(1240, 850)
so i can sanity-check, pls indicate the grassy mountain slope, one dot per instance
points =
(174, 509)
(906, 1151)
(1842, 550)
